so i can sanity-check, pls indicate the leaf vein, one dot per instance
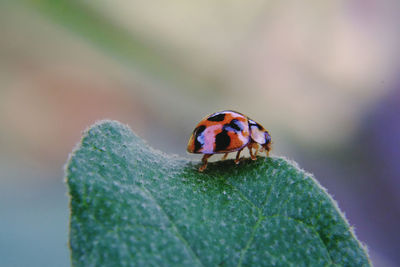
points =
(246, 248)
(179, 235)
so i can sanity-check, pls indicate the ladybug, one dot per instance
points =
(228, 131)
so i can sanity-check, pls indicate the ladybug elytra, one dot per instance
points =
(228, 131)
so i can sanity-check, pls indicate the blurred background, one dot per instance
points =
(322, 76)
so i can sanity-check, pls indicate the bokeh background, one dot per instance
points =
(322, 76)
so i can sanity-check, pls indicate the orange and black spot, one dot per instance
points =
(217, 117)
(222, 141)
(196, 133)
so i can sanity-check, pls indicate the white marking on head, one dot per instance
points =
(257, 135)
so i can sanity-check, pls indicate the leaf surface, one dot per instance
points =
(134, 206)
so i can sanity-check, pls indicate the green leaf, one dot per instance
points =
(134, 206)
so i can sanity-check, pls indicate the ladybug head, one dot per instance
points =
(267, 144)
(261, 136)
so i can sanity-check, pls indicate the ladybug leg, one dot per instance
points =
(257, 147)
(224, 157)
(204, 160)
(250, 147)
(238, 156)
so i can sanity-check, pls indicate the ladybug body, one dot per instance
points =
(227, 131)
